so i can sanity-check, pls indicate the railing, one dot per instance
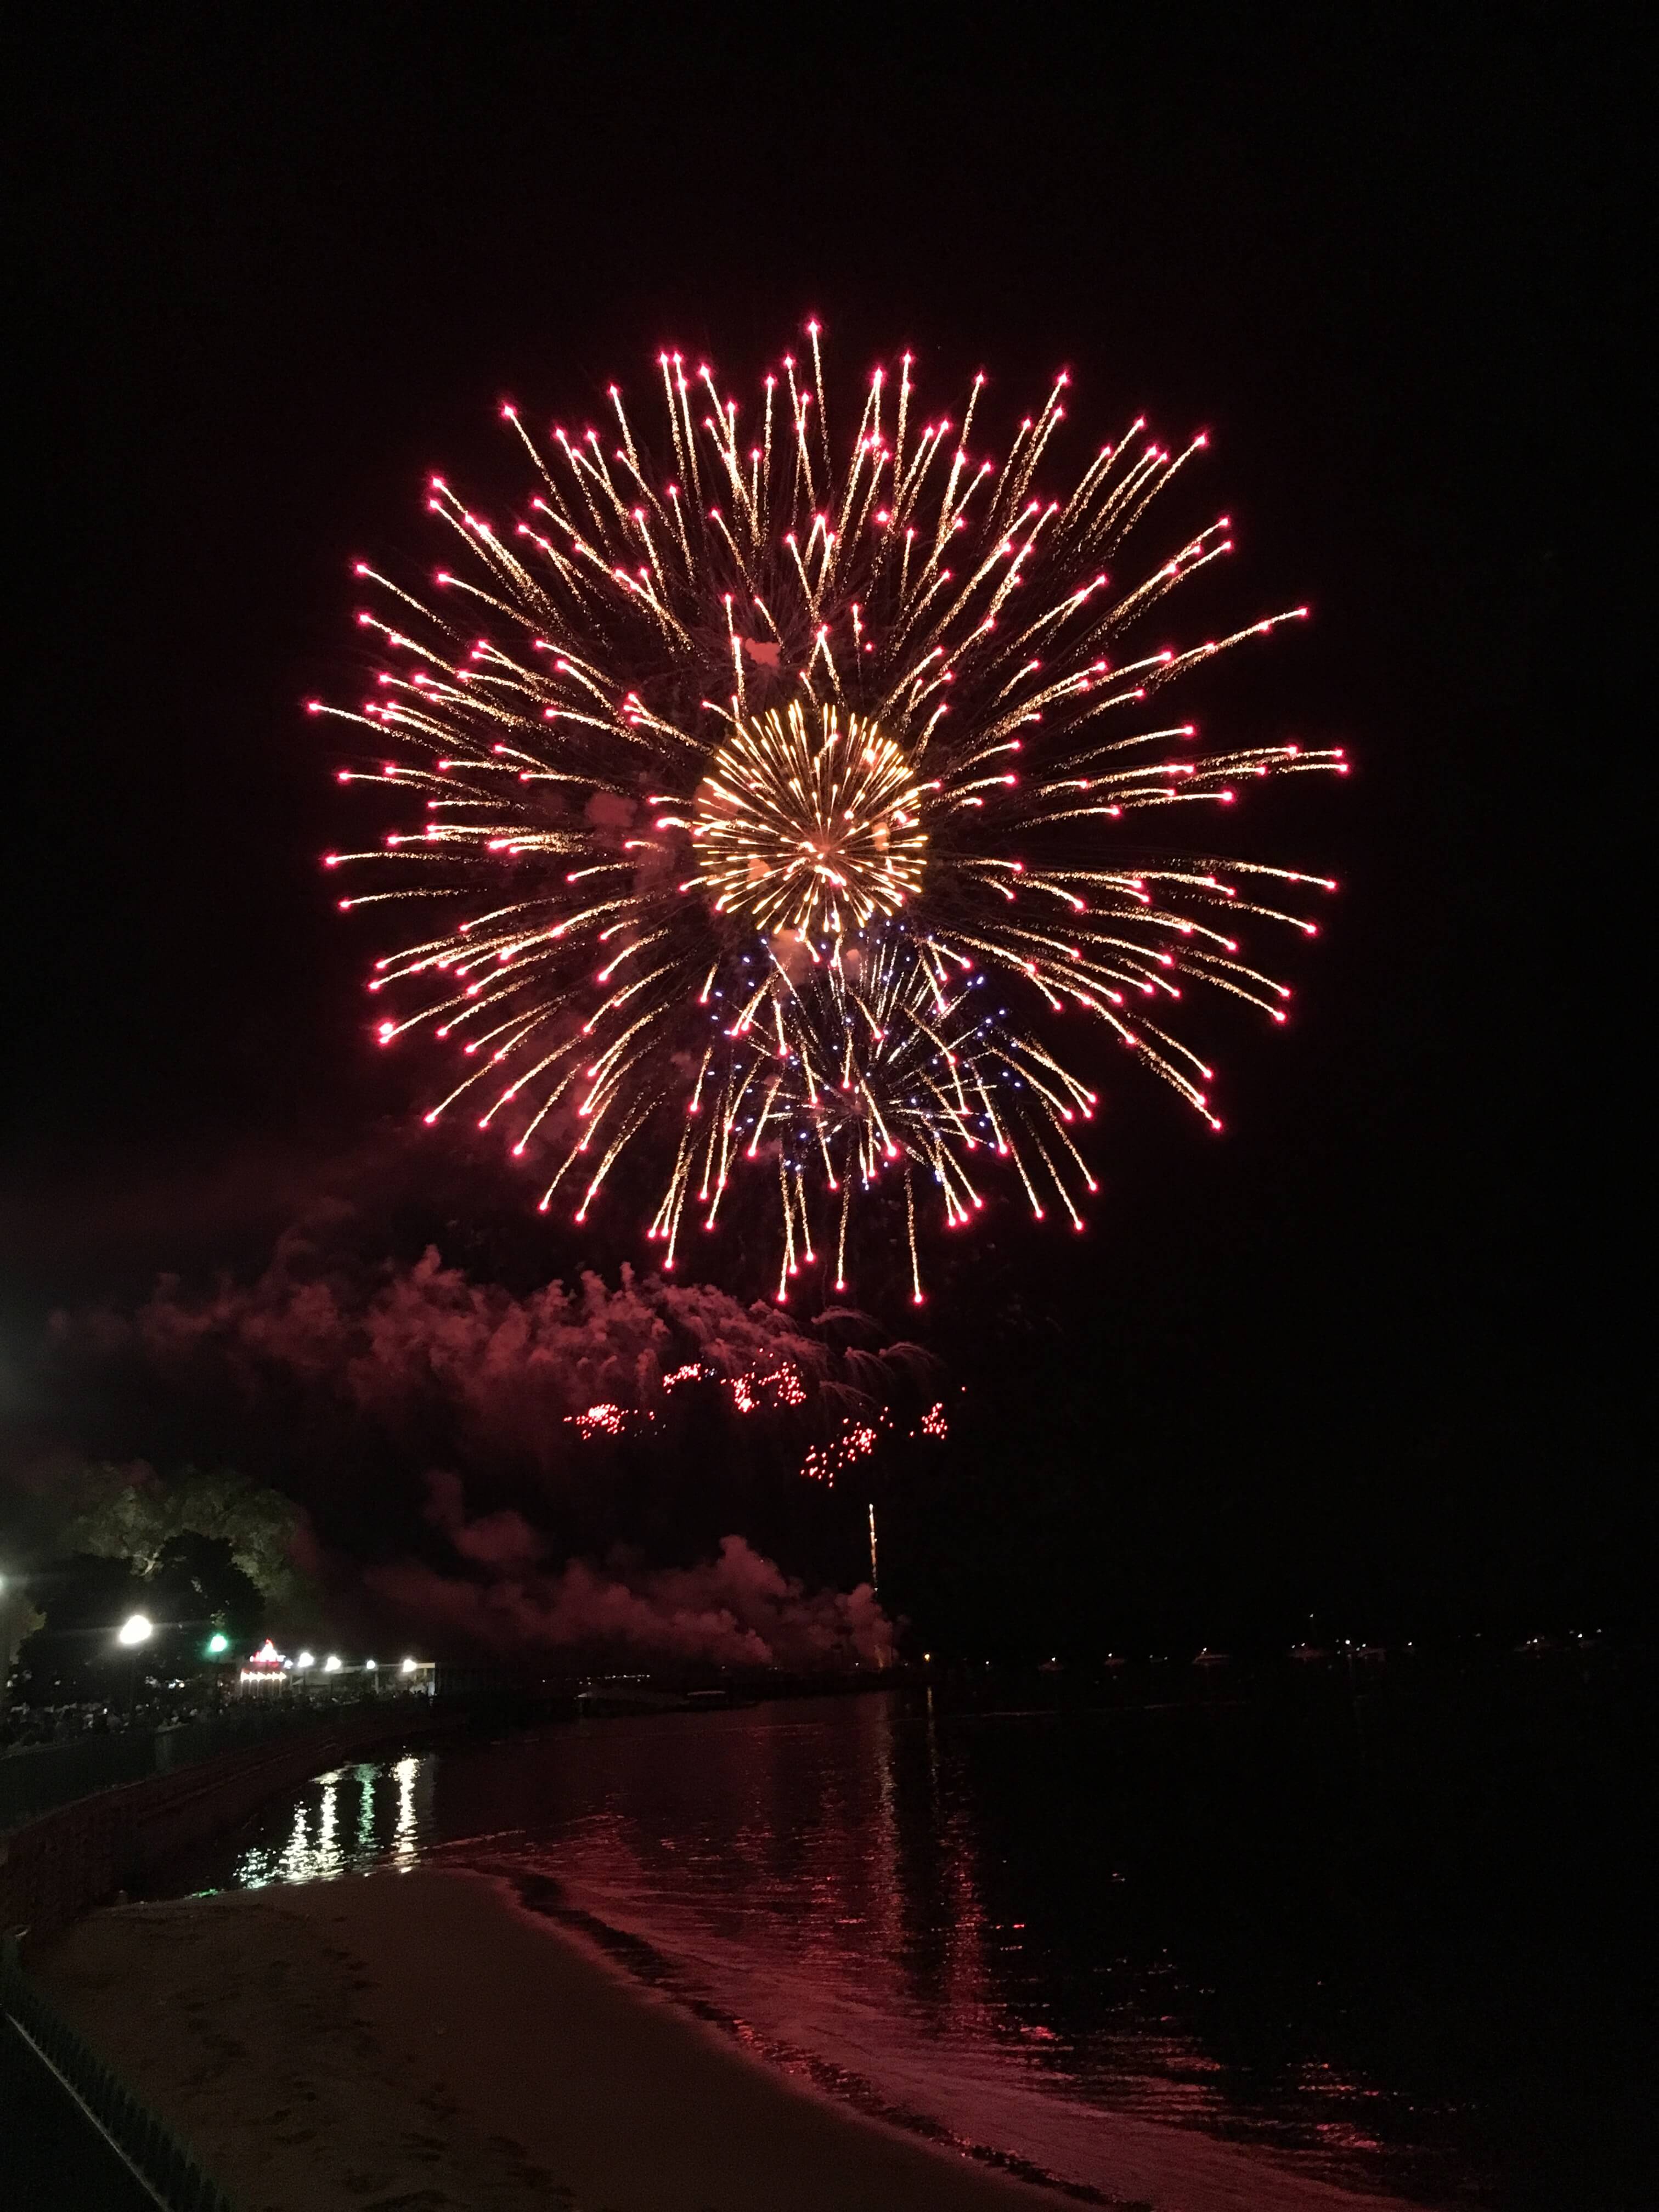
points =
(170, 2172)
(37, 1778)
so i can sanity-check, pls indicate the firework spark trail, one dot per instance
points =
(782, 806)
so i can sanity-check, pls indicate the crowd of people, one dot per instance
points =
(22, 1725)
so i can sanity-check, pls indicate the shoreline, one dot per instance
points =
(416, 2039)
(424, 2040)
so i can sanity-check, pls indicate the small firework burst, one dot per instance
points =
(776, 1387)
(858, 1437)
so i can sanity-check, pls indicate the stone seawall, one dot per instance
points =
(60, 1865)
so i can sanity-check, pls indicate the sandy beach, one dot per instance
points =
(414, 2042)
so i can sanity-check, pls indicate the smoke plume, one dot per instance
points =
(390, 1340)
(600, 1445)
(736, 1610)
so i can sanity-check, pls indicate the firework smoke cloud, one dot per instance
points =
(523, 1378)
(737, 1609)
(595, 1429)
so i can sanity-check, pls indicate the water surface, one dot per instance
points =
(1010, 1927)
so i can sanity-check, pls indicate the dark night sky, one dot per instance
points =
(1370, 1354)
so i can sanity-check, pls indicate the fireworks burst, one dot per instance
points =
(778, 1387)
(859, 1436)
(756, 1390)
(773, 808)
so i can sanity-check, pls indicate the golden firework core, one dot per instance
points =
(810, 826)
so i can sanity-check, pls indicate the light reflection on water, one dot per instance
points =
(393, 1799)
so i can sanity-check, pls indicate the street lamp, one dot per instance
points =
(331, 1664)
(215, 1648)
(136, 1630)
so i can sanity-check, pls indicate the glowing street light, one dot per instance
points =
(305, 1659)
(137, 1628)
(331, 1664)
(409, 1666)
(370, 1665)
(218, 1645)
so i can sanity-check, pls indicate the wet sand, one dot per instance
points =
(412, 2041)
